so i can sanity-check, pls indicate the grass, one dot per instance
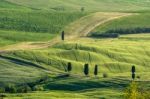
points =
(39, 21)
(11, 72)
(12, 37)
(113, 56)
(84, 88)
(76, 5)
(87, 23)
(4, 5)
(134, 91)
(130, 24)
(22, 24)
(136, 37)
(81, 94)
(36, 21)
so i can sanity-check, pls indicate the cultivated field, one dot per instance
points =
(33, 58)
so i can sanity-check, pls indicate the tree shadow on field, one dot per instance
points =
(86, 85)
(21, 62)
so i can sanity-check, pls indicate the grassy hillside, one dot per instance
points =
(12, 37)
(4, 5)
(90, 5)
(12, 72)
(87, 23)
(39, 63)
(36, 21)
(114, 57)
(139, 23)
(20, 24)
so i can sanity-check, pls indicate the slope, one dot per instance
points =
(137, 23)
(79, 28)
(86, 24)
(90, 5)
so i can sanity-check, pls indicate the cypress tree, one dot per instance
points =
(63, 35)
(86, 69)
(133, 69)
(96, 70)
(133, 76)
(133, 72)
(69, 68)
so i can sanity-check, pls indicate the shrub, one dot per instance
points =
(10, 88)
(138, 77)
(131, 91)
(82, 9)
(2, 96)
(146, 94)
(129, 30)
(24, 89)
(105, 35)
(105, 75)
(38, 88)
(2, 90)
(134, 92)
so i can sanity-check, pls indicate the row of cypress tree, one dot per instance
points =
(86, 70)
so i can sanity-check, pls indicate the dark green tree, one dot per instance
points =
(63, 35)
(133, 72)
(133, 69)
(86, 69)
(69, 67)
(96, 70)
(133, 76)
(82, 9)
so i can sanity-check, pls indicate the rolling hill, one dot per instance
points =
(90, 5)
(33, 58)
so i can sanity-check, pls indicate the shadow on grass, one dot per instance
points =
(80, 85)
(21, 62)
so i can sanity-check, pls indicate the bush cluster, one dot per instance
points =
(114, 33)
(133, 91)
(105, 35)
(24, 88)
(20, 89)
(129, 31)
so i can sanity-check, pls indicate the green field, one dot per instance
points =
(33, 58)
(114, 57)
(12, 37)
(90, 5)
(36, 21)
(138, 23)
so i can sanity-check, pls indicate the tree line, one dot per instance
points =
(86, 70)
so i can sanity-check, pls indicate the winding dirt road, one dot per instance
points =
(81, 27)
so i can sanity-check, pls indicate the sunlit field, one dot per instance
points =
(112, 35)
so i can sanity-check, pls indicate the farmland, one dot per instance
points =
(138, 23)
(114, 57)
(33, 58)
(91, 5)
